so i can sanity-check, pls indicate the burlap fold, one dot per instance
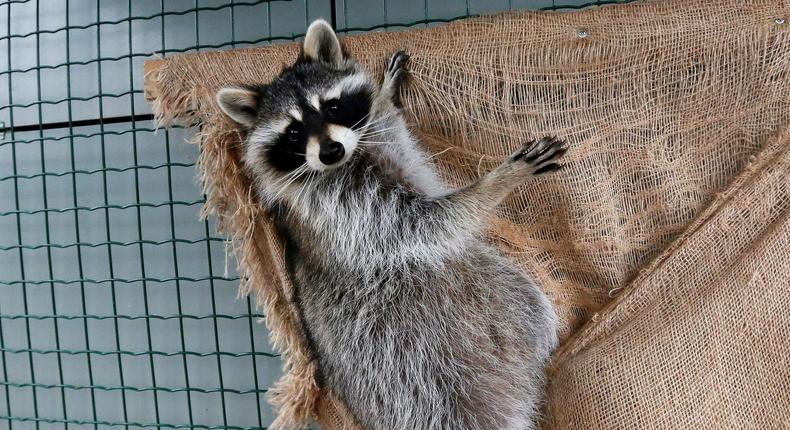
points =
(674, 200)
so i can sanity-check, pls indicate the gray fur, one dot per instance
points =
(416, 323)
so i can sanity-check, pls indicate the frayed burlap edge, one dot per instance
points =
(254, 244)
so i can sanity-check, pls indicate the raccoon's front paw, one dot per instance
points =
(541, 156)
(395, 75)
(396, 68)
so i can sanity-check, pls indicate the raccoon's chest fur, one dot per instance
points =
(423, 331)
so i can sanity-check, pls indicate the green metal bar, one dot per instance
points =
(95, 208)
(93, 387)
(127, 424)
(6, 389)
(110, 242)
(5, 375)
(120, 352)
(140, 247)
(85, 136)
(112, 280)
(131, 317)
(269, 27)
(184, 361)
(103, 170)
(216, 327)
(211, 273)
(80, 269)
(79, 99)
(108, 235)
(22, 273)
(257, 390)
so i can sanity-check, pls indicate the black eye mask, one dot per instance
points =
(287, 152)
(348, 110)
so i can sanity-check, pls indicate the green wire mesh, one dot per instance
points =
(118, 307)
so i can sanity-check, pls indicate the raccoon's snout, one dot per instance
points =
(332, 152)
(328, 151)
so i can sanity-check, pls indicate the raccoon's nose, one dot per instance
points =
(331, 153)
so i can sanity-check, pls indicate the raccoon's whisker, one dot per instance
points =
(379, 130)
(364, 153)
(374, 126)
(364, 139)
(367, 126)
(303, 190)
(362, 150)
(288, 177)
(377, 121)
(370, 144)
(376, 132)
(310, 176)
(377, 118)
(379, 135)
(302, 170)
(299, 193)
(373, 138)
(361, 119)
(373, 145)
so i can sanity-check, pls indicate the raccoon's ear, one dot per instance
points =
(321, 44)
(240, 104)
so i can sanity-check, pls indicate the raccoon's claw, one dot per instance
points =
(541, 154)
(395, 75)
(398, 62)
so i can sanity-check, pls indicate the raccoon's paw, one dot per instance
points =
(541, 156)
(396, 68)
(395, 74)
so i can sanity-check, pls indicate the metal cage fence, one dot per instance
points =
(118, 307)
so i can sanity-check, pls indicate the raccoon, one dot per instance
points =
(415, 322)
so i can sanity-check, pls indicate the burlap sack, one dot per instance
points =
(674, 200)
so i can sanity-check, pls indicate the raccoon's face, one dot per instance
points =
(311, 117)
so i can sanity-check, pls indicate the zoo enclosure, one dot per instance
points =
(118, 307)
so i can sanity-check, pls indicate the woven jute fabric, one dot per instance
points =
(664, 243)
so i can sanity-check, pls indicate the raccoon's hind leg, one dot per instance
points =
(394, 76)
